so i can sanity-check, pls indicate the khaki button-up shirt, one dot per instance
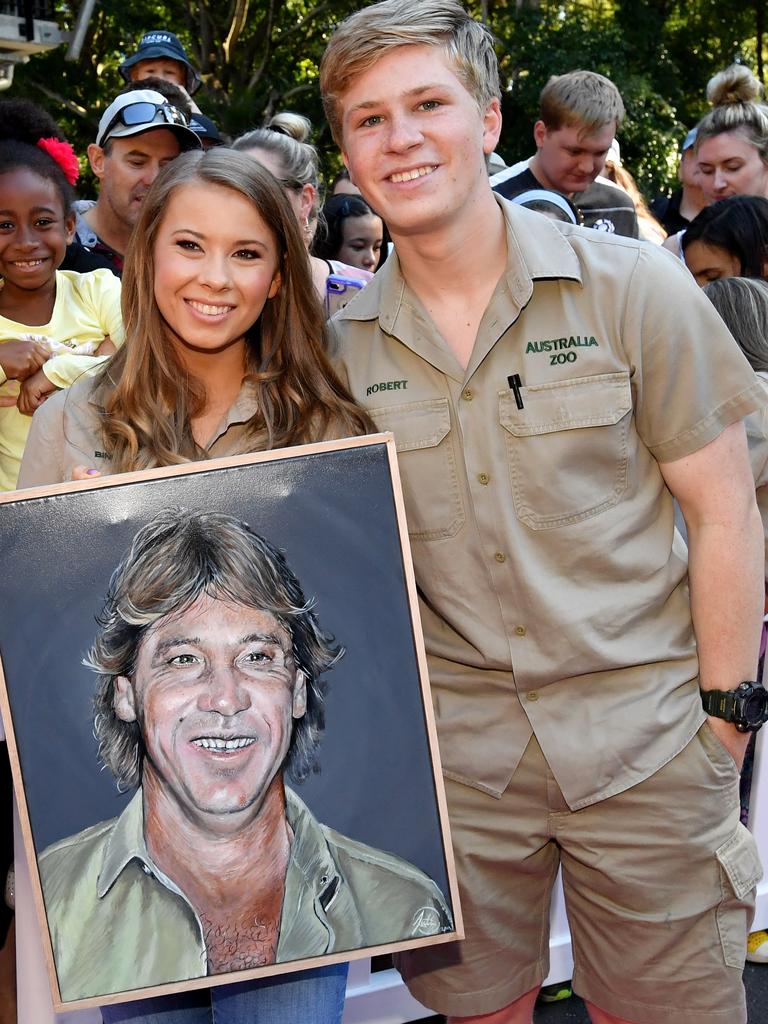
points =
(118, 923)
(66, 432)
(553, 585)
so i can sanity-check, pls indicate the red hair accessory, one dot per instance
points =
(64, 156)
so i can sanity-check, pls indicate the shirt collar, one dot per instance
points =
(241, 410)
(316, 903)
(309, 850)
(536, 249)
(126, 843)
(312, 875)
(243, 407)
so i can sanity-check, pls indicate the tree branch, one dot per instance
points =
(268, 46)
(75, 108)
(301, 25)
(235, 28)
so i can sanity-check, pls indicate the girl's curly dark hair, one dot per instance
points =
(22, 125)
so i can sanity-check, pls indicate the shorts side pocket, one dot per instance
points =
(741, 870)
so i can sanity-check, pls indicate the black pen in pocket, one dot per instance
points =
(516, 384)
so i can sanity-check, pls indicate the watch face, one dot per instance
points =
(753, 707)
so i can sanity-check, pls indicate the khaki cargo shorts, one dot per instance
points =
(659, 887)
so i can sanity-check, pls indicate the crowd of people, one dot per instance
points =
(592, 678)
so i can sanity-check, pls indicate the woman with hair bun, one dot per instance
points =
(732, 139)
(282, 148)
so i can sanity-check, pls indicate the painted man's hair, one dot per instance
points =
(365, 36)
(176, 558)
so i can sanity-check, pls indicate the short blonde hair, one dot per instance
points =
(362, 38)
(581, 98)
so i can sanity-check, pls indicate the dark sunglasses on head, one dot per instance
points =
(144, 112)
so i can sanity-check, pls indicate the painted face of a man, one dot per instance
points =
(215, 692)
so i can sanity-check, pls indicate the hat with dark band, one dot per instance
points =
(161, 43)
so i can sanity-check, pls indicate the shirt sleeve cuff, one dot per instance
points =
(64, 370)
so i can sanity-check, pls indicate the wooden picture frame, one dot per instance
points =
(335, 510)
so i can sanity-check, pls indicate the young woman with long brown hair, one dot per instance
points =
(224, 353)
(226, 349)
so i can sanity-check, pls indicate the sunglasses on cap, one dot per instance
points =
(144, 112)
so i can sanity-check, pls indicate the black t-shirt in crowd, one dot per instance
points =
(604, 207)
(666, 209)
(82, 259)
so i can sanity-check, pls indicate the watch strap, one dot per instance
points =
(720, 703)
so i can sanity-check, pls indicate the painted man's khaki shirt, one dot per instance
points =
(553, 585)
(117, 923)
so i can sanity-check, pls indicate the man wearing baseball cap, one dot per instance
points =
(138, 134)
(161, 54)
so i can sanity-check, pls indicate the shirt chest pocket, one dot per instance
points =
(427, 462)
(568, 448)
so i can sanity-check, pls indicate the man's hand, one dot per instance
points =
(20, 359)
(34, 392)
(735, 742)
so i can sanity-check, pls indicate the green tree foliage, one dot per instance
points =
(660, 54)
(259, 56)
(255, 56)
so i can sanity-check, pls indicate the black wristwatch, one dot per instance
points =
(746, 706)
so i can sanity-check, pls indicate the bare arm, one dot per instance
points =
(20, 358)
(106, 348)
(34, 392)
(716, 493)
(59, 372)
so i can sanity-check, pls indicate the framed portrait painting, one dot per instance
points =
(215, 697)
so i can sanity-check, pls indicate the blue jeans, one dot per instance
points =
(316, 995)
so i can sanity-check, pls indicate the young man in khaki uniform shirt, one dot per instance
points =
(550, 390)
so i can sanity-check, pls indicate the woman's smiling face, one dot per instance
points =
(216, 266)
